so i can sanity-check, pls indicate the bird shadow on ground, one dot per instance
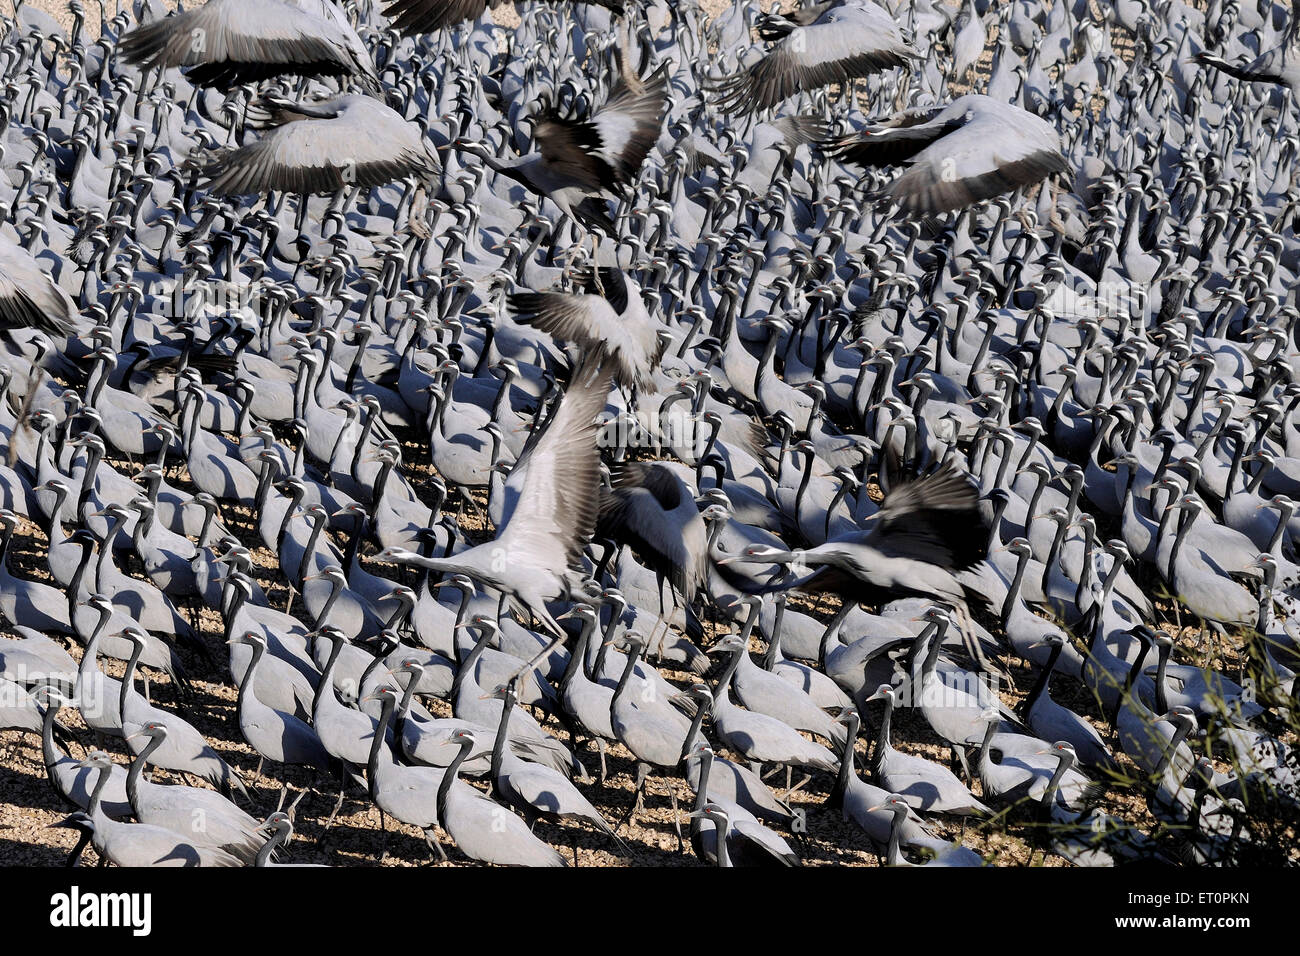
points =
(22, 853)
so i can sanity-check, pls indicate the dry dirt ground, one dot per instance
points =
(28, 805)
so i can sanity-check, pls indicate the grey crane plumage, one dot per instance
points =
(581, 163)
(1031, 326)
(656, 736)
(912, 546)
(29, 298)
(973, 148)
(204, 817)
(1279, 64)
(140, 844)
(183, 748)
(278, 828)
(816, 45)
(925, 785)
(408, 794)
(533, 789)
(607, 316)
(550, 512)
(74, 782)
(276, 735)
(482, 828)
(746, 838)
(342, 142)
(413, 17)
(652, 510)
(951, 855)
(225, 43)
(756, 736)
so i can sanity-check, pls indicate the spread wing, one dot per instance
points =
(629, 122)
(935, 519)
(413, 17)
(844, 43)
(597, 323)
(607, 150)
(572, 149)
(892, 142)
(363, 144)
(29, 298)
(977, 161)
(634, 514)
(553, 492)
(241, 41)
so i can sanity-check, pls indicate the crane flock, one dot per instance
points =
(848, 431)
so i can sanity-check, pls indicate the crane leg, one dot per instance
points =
(293, 807)
(551, 246)
(973, 647)
(600, 749)
(642, 777)
(789, 790)
(595, 262)
(638, 804)
(431, 841)
(677, 823)
(338, 805)
(654, 636)
(959, 760)
(383, 837)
